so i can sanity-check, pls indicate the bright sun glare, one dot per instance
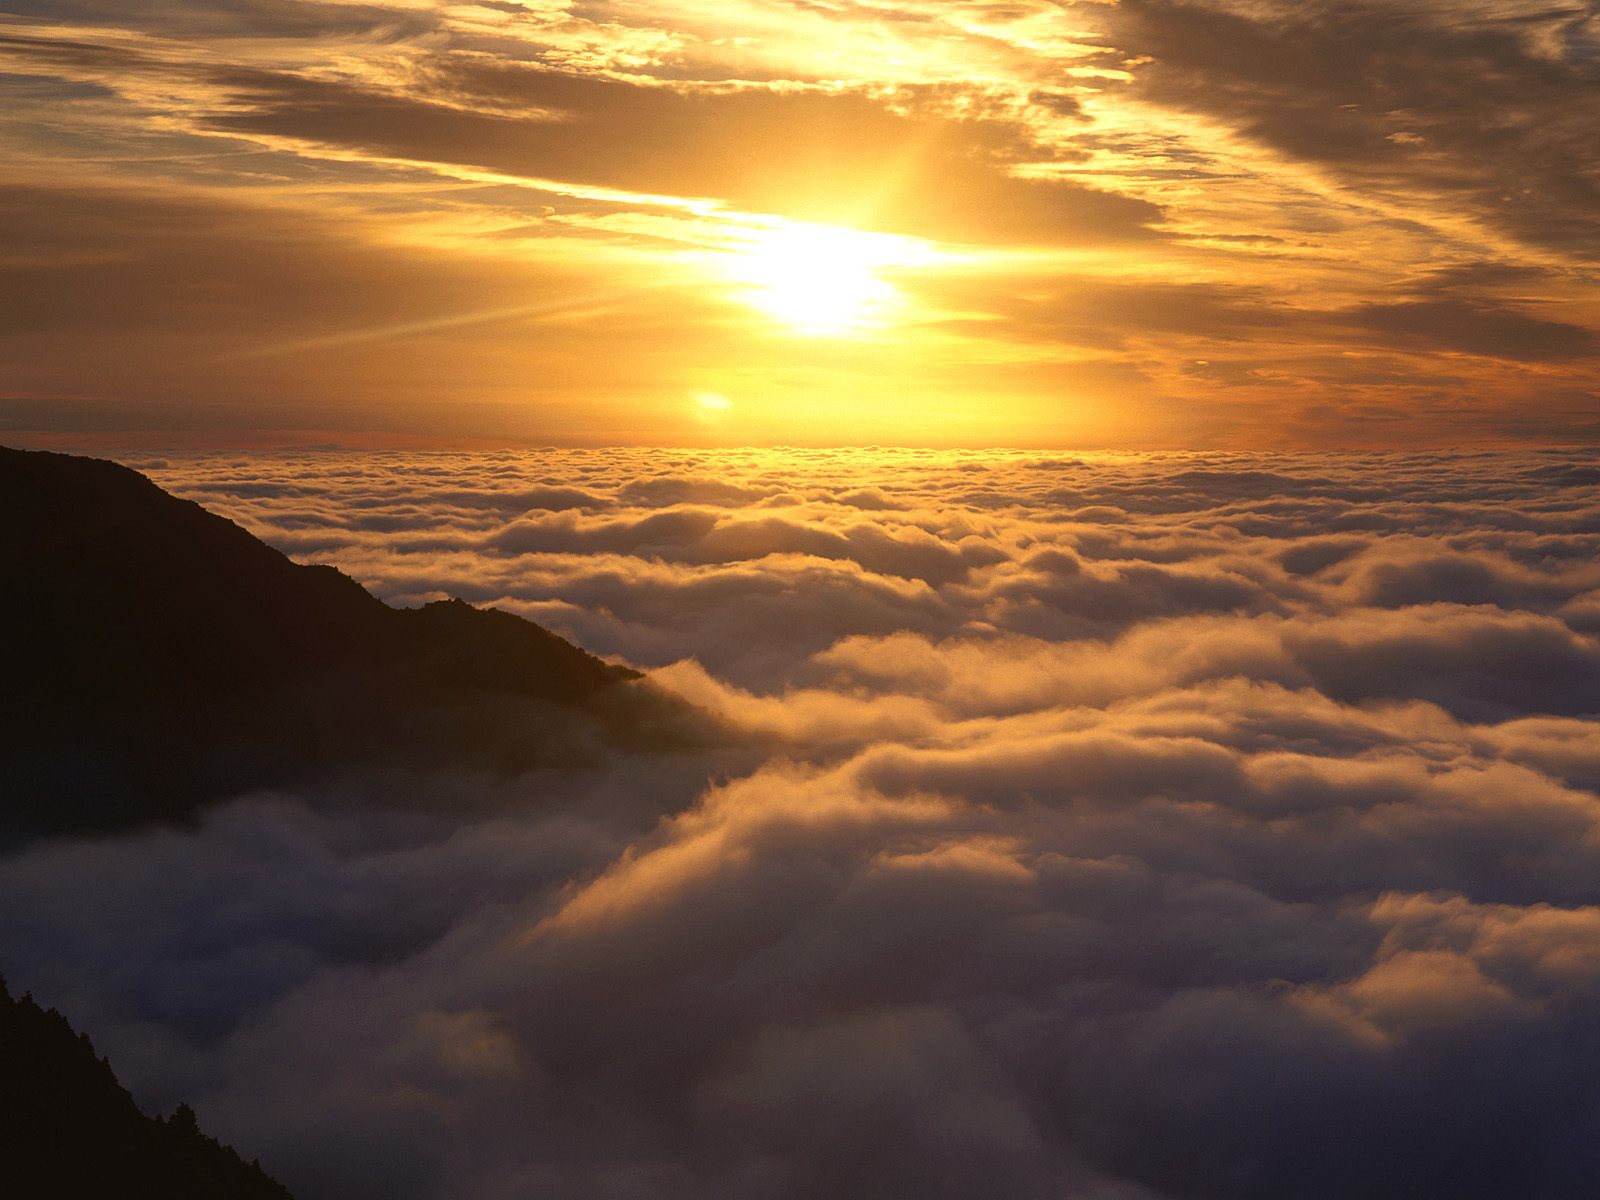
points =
(823, 281)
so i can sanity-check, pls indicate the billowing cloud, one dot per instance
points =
(1126, 827)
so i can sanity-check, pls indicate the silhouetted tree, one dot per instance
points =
(68, 1129)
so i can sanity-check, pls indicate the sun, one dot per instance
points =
(823, 281)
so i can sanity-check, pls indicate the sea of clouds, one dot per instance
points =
(1123, 828)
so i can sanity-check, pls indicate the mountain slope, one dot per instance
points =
(159, 656)
(68, 1128)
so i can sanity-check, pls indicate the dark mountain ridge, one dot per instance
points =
(69, 1129)
(156, 656)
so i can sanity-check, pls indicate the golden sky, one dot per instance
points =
(1257, 223)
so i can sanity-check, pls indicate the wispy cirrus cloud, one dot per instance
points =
(1151, 223)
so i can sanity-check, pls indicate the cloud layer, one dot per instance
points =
(1187, 826)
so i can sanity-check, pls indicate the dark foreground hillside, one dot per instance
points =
(157, 656)
(68, 1129)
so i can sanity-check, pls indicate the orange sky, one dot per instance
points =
(1251, 223)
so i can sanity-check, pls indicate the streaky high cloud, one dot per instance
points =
(1148, 224)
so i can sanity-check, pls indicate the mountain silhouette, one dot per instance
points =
(157, 656)
(69, 1129)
